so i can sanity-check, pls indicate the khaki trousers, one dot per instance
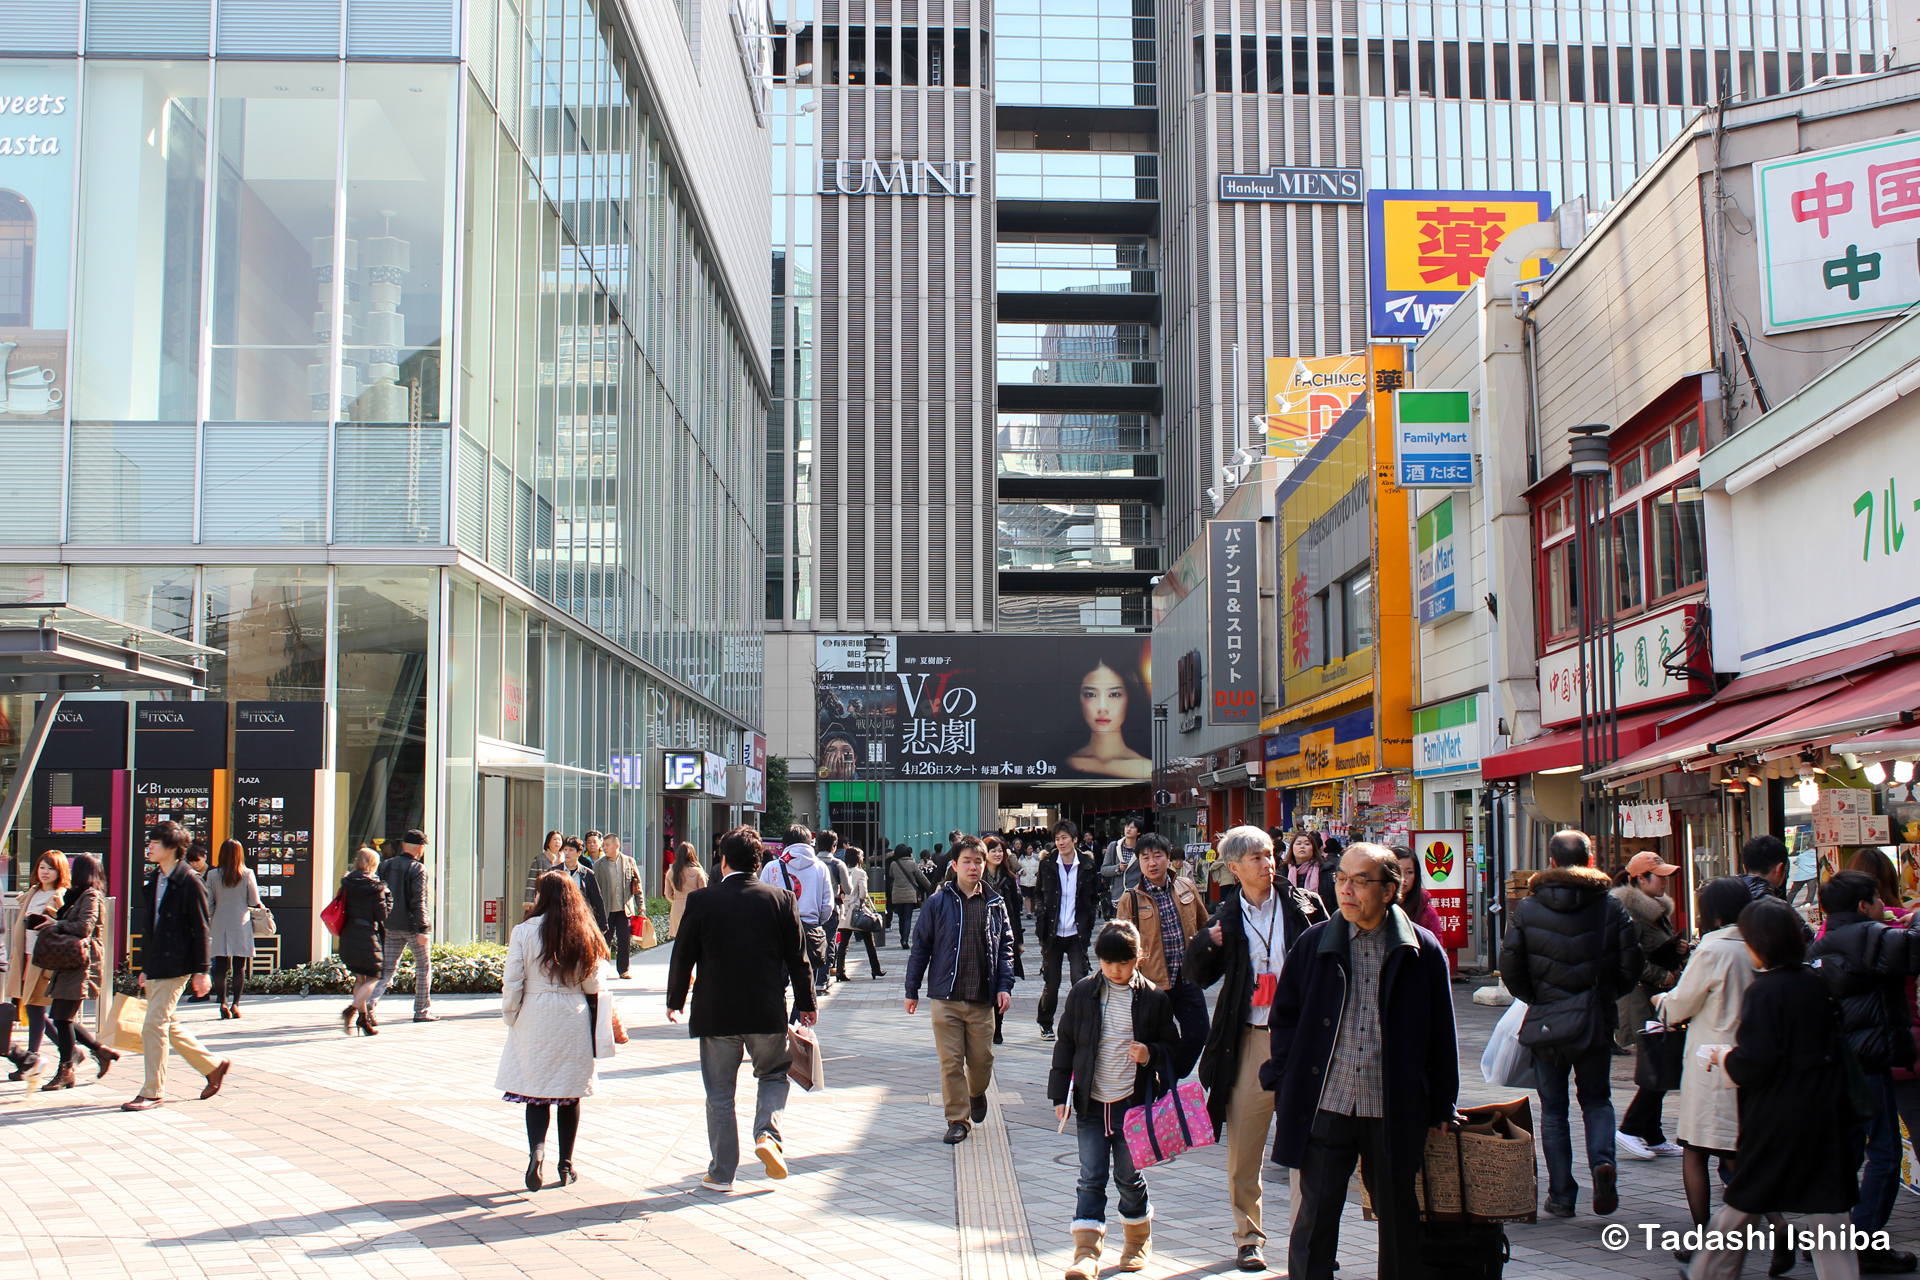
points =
(963, 1037)
(1828, 1264)
(1249, 1118)
(161, 1029)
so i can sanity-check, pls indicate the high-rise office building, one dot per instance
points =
(416, 361)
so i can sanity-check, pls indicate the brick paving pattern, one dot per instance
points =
(393, 1157)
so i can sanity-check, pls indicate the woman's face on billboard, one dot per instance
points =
(1103, 699)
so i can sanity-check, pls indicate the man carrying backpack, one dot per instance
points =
(798, 871)
(1569, 952)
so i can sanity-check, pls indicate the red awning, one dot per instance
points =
(1857, 704)
(1724, 721)
(1900, 740)
(1840, 662)
(1561, 748)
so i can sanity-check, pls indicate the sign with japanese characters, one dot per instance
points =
(1233, 621)
(1433, 439)
(1306, 395)
(1426, 248)
(1836, 234)
(1641, 650)
(1343, 747)
(989, 706)
(1441, 856)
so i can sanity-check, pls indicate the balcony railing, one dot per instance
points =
(1059, 279)
(1076, 175)
(1117, 535)
(1091, 445)
(1077, 354)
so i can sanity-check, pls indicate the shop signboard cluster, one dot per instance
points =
(1426, 248)
(987, 706)
(1343, 747)
(1433, 439)
(1641, 650)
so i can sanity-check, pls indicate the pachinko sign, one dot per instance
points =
(1836, 234)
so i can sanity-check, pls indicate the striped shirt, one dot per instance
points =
(1113, 1069)
(1355, 1083)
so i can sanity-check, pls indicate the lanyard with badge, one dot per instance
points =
(1265, 981)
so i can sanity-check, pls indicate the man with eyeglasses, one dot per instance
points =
(1365, 1063)
(1244, 948)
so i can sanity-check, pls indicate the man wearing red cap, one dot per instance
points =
(1650, 907)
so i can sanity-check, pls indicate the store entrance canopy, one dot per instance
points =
(1560, 750)
(56, 649)
(1704, 735)
(1857, 704)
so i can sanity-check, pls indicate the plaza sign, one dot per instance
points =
(1295, 186)
(1837, 229)
(898, 177)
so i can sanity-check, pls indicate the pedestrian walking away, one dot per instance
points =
(81, 916)
(619, 880)
(1002, 876)
(826, 849)
(1787, 1060)
(857, 896)
(1244, 948)
(1168, 913)
(1114, 1053)
(363, 938)
(1569, 952)
(1364, 1064)
(742, 939)
(409, 923)
(963, 948)
(559, 1017)
(1064, 923)
(683, 878)
(798, 870)
(1866, 965)
(27, 983)
(174, 945)
(907, 887)
(1644, 898)
(234, 896)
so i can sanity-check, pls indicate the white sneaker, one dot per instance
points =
(1669, 1149)
(1632, 1148)
(706, 1180)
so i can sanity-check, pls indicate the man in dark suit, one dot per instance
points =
(1069, 892)
(174, 946)
(744, 937)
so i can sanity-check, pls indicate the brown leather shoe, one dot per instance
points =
(216, 1078)
(142, 1103)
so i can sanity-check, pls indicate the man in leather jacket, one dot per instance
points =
(1866, 965)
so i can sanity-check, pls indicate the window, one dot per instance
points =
(1554, 518)
(1562, 590)
(1356, 613)
(1629, 476)
(1502, 74)
(1679, 539)
(1526, 73)
(1199, 64)
(1660, 454)
(1223, 64)
(16, 261)
(1276, 64)
(1476, 70)
(1450, 66)
(1377, 68)
(1625, 554)
(1249, 64)
(1690, 436)
(1402, 69)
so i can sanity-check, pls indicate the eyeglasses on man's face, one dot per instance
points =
(1341, 879)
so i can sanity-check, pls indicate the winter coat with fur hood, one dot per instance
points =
(1653, 925)
(1570, 935)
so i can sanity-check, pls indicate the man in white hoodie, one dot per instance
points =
(797, 870)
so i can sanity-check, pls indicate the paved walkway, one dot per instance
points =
(392, 1157)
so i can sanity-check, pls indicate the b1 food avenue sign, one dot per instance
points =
(898, 177)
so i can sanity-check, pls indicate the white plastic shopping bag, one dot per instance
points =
(1507, 1062)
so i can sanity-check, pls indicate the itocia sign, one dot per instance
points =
(898, 177)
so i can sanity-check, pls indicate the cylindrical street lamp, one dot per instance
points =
(876, 659)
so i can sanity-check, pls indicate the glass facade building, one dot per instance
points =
(405, 362)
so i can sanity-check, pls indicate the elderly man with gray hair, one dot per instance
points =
(1244, 948)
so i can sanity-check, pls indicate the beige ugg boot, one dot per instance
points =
(1086, 1253)
(1139, 1245)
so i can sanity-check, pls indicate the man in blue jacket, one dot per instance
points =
(964, 934)
(1364, 1064)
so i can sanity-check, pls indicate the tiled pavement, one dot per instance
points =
(393, 1157)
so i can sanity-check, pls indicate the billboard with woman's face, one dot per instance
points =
(989, 706)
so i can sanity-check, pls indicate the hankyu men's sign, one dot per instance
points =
(1296, 186)
(1837, 230)
(1233, 621)
(1640, 652)
(898, 177)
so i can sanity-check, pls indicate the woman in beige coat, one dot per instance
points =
(683, 878)
(28, 985)
(1707, 998)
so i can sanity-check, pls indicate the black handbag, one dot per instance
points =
(1662, 1056)
(1565, 1030)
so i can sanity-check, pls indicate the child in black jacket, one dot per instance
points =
(1114, 1052)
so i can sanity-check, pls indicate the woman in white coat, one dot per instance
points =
(557, 1020)
(1707, 998)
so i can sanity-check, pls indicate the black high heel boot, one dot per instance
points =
(563, 1173)
(534, 1159)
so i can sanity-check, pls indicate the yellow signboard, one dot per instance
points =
(1426, 248)
(1326, 752)
(1305, 397)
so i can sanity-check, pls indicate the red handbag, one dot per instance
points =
(334, 914)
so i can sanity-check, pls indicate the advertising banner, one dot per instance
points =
(1324, 527)
(1233, 621)
(1306, 395)
(1426, 248)
(1434, 592)
(1837, 229)
(991, 706)
(40, 109)
(1442, 859)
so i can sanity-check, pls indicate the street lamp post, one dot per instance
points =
(876, 661)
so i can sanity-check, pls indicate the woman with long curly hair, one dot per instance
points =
(558, 1022)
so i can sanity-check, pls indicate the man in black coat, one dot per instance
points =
(173, 924)
(1569, 952)
(743, 936)
(1365, 1062)
(1244, 947)
(1069, 885)
(1866, 966)
(409, 923)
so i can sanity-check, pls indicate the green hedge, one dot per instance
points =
(475, 968)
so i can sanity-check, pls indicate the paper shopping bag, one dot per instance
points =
(124, 1020)
(644, 937)
(806, 1070)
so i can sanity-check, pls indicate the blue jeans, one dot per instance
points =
(1594, 1076)
(1101, 1147)
(1879, 1142)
